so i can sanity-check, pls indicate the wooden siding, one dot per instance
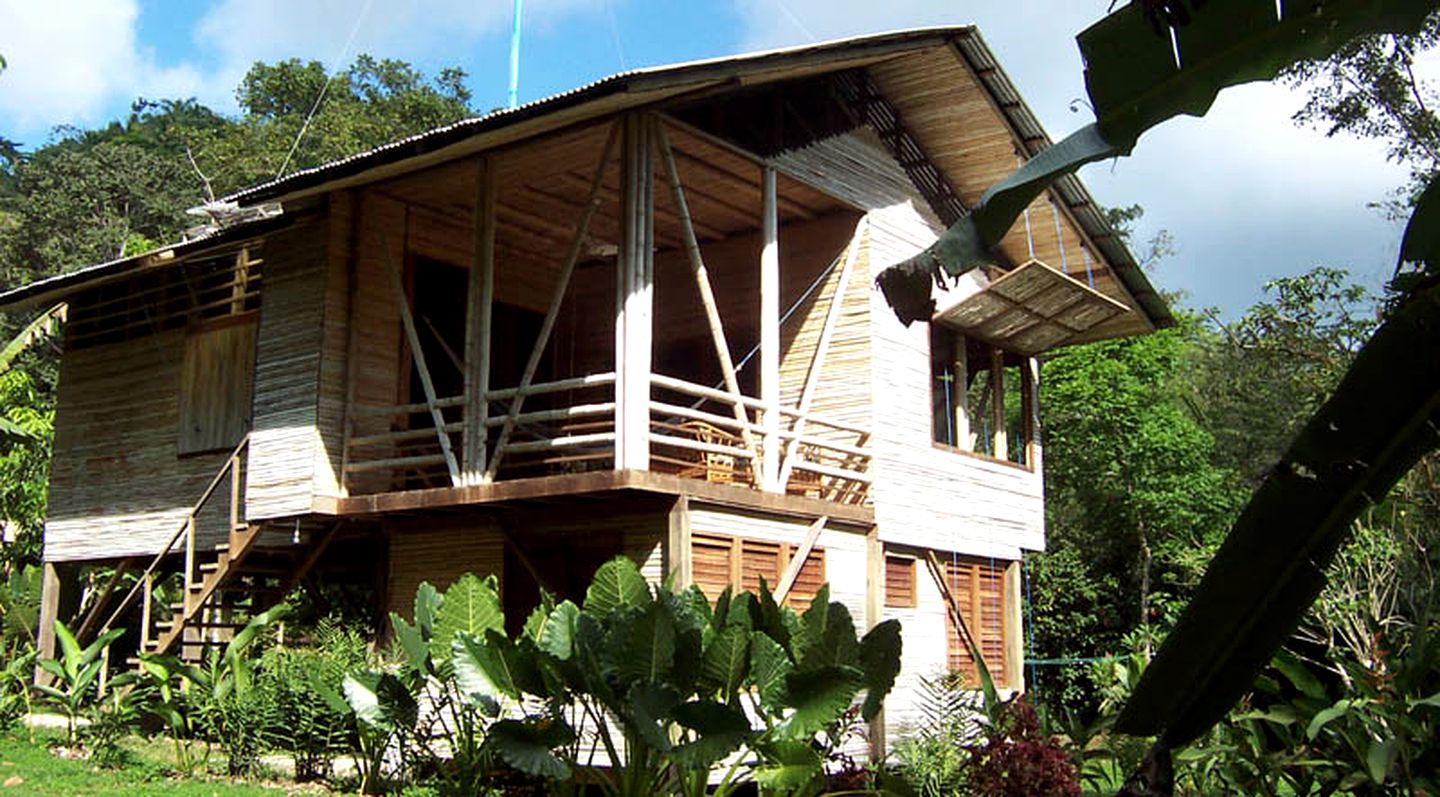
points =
(117, 485)
(216, 382)
(285, 440)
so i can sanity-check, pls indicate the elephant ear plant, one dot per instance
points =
(670, 688)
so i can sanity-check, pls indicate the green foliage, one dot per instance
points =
(75, 675)
(658, 680)
(312, 722)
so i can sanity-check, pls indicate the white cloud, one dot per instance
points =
(69, 58)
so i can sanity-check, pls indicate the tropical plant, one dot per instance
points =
(75, 676)
(667, 686)
(303, 684)
(220, 697)
(15, 680)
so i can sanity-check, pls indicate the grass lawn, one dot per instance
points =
(30, 768)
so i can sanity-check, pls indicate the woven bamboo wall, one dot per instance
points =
(285, 440)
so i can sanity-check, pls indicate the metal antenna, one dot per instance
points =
(515, 56)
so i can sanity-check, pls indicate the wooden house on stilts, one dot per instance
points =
(635, 318)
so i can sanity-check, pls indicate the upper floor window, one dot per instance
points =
(982, 397)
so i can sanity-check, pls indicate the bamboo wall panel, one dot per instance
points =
(440, 551)
(926, 495)
(334, 344)
(117, 485)
(285, 442)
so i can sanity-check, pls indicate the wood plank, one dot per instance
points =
(770, 354)
(479, 315)
(797, 561)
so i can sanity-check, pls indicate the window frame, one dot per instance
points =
(956, 355)
(737, 576)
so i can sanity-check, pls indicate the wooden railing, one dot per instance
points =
(568, 425)
(397, 447)
(821, 457)
(184, 541)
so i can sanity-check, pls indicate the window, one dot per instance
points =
(981, 399)
(899, 582)
(718, 562)
(216, 378)
(978, 587)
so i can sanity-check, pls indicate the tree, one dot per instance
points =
(1368, 88)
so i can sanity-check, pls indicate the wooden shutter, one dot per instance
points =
(710, 563)
(216, 382)
(760, 559)
(808, 581)
(717, 562)
(899, 582)
(978, 587)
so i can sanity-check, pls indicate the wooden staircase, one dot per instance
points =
(255, 568)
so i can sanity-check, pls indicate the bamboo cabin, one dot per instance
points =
(635, 318)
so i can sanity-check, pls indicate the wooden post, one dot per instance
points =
(679, 564)
(822, 348)
(234, 497)
(707, 295)
(1000, 445)
(874, 613)
(1030, 406)
(479, 315)
(189, 556)
(49, 612)
(147, 596)
(960, 389)
(634, 298)
(408, 322)
(792, 571)
(770, 332)
(552, 314)
(1013, 625)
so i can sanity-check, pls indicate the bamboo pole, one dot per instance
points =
(407, 320)
(770, 332)
(960, 388)
(1000, 447)
(822, 349)
(479, 316)
(577, 244)
(707, 293)
(633, 302)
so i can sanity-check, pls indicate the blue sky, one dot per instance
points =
(1246, 194)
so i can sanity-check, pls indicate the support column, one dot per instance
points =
(59, 599)
(999, 442)
(874, 614)
(770, 333)
(479, 311)
(1030, 405)
(678, 562)
(634, 298)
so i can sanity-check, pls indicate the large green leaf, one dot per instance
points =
(726, 662)
(557, 636)
(1381, 418)
(718, 731)
(483, 672)
(880, 663)
(641, 647)
(649, 706)
(528, 746)
(413, 643)
(816, 699)
(617, 585)
(471, 606)
(827, 636)
(380, 700)
(427, 604)
(768, 667)
(789, 764)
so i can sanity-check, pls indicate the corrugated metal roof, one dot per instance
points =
(644, 84)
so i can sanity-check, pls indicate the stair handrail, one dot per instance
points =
(187, 529)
